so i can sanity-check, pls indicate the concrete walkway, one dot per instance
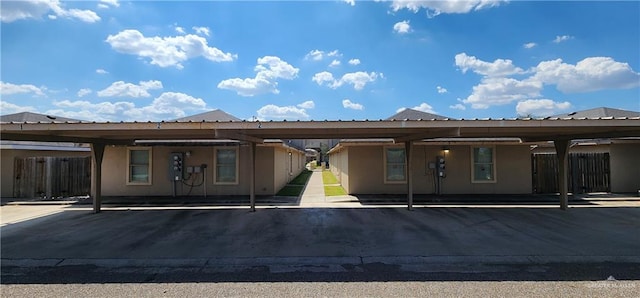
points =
(314, 192)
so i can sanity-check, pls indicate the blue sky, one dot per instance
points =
(314, 60)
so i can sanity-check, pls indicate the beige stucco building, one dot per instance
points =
(411, 152)
(203, 173)
(364, 168)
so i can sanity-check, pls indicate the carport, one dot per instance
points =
(559, 130)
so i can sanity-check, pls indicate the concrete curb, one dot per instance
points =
(41, 203)
(324, 264)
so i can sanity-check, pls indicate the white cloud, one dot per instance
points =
(98, 110)
(179, 30)
(402, 27)
(113, 3)
(202, 30)
(309, 104)
(276, 112)
(9, 89)
(9, 108)
(168, 105)
(529, 45)
(541, 107)
(84, 91)
(173, 105)
(590, 74)
(323, 77)
(166, 51)
(561, 38)
(441, 90)
(268, 70)
(350, 2)
(354, 61)
(436, 7)
(334, 63)
(424, 107)
(317, 55)
(122, 89)
(357, 79)
(35, 9)
(458, 106)
(101, 71)
(499, 67)
(501, 91)
(348, 104)
(334, 53)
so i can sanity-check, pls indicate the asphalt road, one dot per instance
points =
(384, 251)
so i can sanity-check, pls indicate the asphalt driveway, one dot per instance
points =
(439, 233)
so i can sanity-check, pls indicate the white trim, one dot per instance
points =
(493, 165)
(150, 165)
(215, 165)
(384, 158)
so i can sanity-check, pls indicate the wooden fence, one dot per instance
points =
(588, 172)
(51, 177)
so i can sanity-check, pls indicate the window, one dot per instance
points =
(395, 167)
(483, 168)
(226, 160)
(139, 169)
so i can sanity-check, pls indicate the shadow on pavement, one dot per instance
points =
(193, 244)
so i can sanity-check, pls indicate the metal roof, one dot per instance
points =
(34, 117)
(599, 113)
(411, 114)
(214, 115)
(256, 131)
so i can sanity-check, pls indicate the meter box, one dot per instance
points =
(176, 166)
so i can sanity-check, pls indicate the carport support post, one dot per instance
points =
(252, 179)
(409, 159)
(97, 152)
(562, 151)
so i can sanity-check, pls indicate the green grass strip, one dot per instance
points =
(291, 191)
(334, 191)
(329, 178)
(302, 178)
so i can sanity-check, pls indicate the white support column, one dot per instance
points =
(409, 160)
(252, 178)
(97, 153)
(562, 151)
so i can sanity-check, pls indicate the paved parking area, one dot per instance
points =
(430, 234)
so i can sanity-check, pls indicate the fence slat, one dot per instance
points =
(589, 172)
(69, 176)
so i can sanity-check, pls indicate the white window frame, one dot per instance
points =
(493, 165)
(215, 166)
(385, 165)
(149, 164)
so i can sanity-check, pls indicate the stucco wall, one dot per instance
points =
(264, 164)
(7, 158)
(272, 172)
(114, 173)
(366, 171)
(285, 168)
(625, 167)
(339, 166)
